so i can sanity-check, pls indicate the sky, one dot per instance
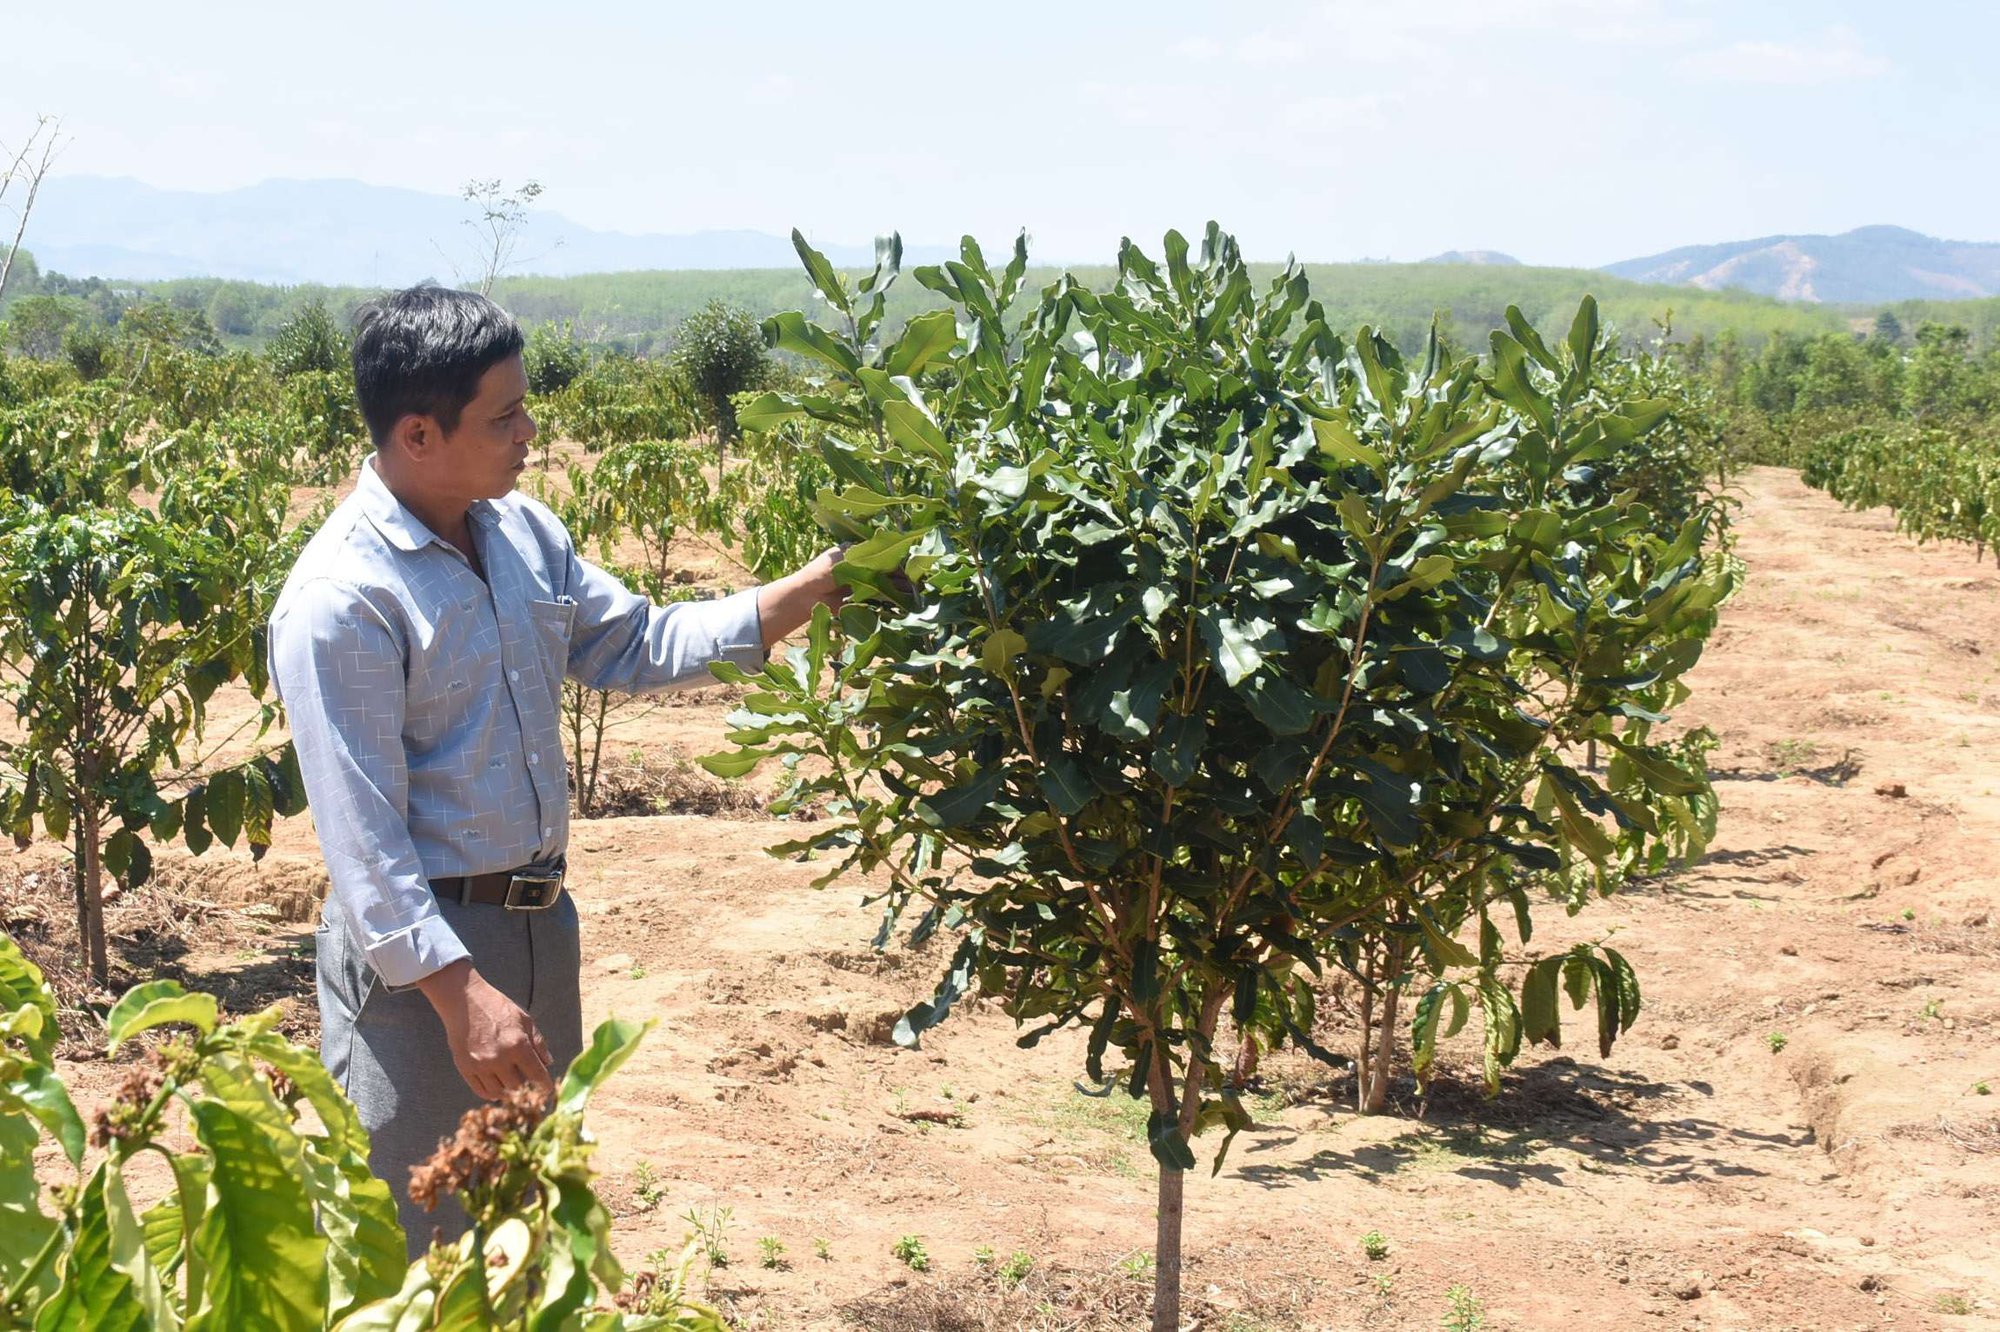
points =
(1559, 131)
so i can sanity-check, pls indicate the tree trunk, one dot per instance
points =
(1167, 1253)
(90, 895)
(1382, 1067)
(1186, 1108)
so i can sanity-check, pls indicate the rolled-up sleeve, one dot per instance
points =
(339, 669)
(622, 641)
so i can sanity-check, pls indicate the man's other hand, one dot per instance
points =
(493, 1040)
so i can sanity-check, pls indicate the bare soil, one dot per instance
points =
(1797, 1135)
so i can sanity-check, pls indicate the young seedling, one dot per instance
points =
(1015, 1270)
(771, 1252)
(910, 1251)
(1777, 1040)
(1464, 1312)
(983, 1255)
(710, 1229)
(822, 1250)
(1375, 1245)
(646, 1186)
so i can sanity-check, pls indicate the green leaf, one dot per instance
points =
(128, 1253)
(226, 799)
(732, 762)
(824, 279)
(22, 987)
(792, 332)
(1607, 1008)
(1280, 705)
(909, 426)
(1163, 1136)
(1503, 1030)
(366, 1250)
(959, 805)
(998, 652)
(154, 1003)
(1627, 982)
(1656, 771)
(1581, 829)
(765, 412)
(93, 1295)
(1232, 643)
(23, 1226)
(1447, 951)
(610, 1046)
(262, 1262)
(926, 338)
(1425, 1024)
(1067, 787)
(1541, 1018)
(957, 980)
(41, 1093)
(1177, 752)
(1583, 335)
(1337, 440)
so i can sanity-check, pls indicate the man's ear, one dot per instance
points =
(414, 437)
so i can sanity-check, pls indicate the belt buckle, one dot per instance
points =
(533, 889)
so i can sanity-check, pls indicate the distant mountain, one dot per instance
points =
(1867, 264)
(347, 232)
(1493, 257)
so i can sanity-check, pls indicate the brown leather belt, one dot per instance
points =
(530, 888)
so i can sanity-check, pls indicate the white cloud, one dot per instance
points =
(1333, 115)
(1269, 48)
(1835, 57)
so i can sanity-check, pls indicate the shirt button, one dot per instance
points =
(548, 832)
(515, 676)
(534, 758)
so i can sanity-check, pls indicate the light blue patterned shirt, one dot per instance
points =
(426, 704)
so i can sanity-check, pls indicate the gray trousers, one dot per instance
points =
(388, 1052)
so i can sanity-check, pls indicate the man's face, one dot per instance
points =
(485, 455)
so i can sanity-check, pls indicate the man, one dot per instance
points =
(420, 645)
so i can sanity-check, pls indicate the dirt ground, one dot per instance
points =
(1798, 1134)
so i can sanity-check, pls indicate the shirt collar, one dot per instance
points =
(401, 528)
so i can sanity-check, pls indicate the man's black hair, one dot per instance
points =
(421, 351)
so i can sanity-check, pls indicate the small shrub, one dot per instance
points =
(554, 358)
(721, 351)
(310, 340)
(88, 348)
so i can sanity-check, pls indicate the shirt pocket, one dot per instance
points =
(553, 621)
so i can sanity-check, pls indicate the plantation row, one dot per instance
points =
(1197, 651)
(1942, 480)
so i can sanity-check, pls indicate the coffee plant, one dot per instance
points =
(118, 623)
(266, 1215)
(1197, 648)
